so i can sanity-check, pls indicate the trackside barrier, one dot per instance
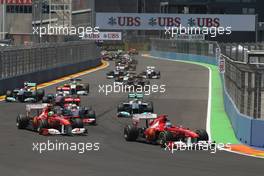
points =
(45, 62)
(185, 57)
(248, 130)
(46, 75)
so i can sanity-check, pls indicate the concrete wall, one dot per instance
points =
(47, 75)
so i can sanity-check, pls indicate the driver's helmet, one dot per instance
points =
(49, 107)
(151, 133)
(74, 106)
(51, 113)
(168, 124)
(26, 88)
(60, 94)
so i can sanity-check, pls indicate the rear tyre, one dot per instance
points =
(203, 135)
(77, 123)
(68, 130)
(92, 115)
(150, 107)
(22, 121)
(158, 75)
(130, 133)
(45, 100)
(40, 94)
(8, 94)
(120, 108)
(87, 88)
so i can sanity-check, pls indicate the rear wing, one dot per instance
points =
(30, 107)
(29, 84)
(75, 79)
(151, 67)
(136, 95)
(72, 100)
(144, 116)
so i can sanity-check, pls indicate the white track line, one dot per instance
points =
(208, 119)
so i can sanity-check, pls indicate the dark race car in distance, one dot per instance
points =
(134, 105)
(115, 73)
(29, 93)
(151, 73)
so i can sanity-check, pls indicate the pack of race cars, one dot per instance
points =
(157, 129)
(124, 72)
(61, 113)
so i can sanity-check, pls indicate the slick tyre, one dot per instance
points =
(92, 115)
(40, 94)
(203, 135)
(21, 121)
(120, 108)
(130, 133)
(77, 123)
(68, 130)
(87, 88)
(8, 94)
(150, 107)
(45, 100)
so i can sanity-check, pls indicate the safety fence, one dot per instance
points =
(16, 61)
(247, 129)
(199, 51)
(44, 62)
(244, 76)
(237, 51)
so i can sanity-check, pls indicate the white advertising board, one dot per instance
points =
(156, 21)
(104, 36)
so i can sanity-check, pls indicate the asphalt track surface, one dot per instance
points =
(185, 101)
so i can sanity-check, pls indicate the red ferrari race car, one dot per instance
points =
(43, 119)
(159, 130)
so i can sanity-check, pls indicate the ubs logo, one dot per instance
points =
(124, 21)
(204, 22)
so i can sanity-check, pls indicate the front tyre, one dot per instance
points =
(203, 135)
(21, 121)
(77, 123)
